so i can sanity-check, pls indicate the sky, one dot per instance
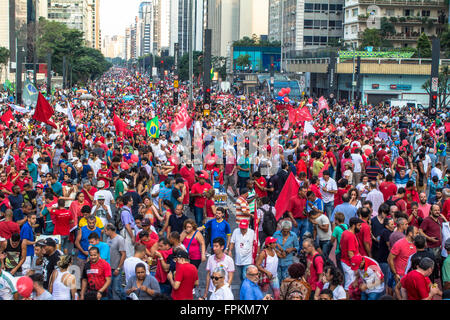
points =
(116, 15)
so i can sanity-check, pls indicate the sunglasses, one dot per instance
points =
(254, 274)
(216, 278)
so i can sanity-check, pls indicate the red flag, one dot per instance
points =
(447, 127)
(181, 120)
(119, 124)
(292, 115)
(7, 117)
(290, 189)
(433, 130)
(44, 111)
(303, 114)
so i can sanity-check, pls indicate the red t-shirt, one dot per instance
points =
(152, 239)
(262, 182)
(388, 189)
(349, 242)
(316, 268)
(188, 175)
(61, 219)
(160, 274)
(198, 188)
(364, 235)
(314, 188)
(402, 250)
(96, 274)
(187, 275)
(297, 205)
(417, 285)
(91, 192)
(380, 155)
(8, 186)
(338, 196)
(301, 166)
(7, 228)
(106, 172)
(446, 209)
(432, 229)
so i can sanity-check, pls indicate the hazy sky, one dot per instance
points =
(116, 15)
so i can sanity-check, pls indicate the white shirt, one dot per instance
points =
(338, 292)
(227, 263)
(323, 220)
(330, 185)
(243, 245)
(377, 198)
(108, 196)
(7, 286)
(436, 172)
(357, 161)
(129, 266)
(224, 293)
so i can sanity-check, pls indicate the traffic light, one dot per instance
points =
(207, 96)
(357, 69)
(175, 97)
(433, 106)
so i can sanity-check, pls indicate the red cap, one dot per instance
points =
(104, 163)
(355, 261)
(244, 224)
(270, 240)
(303, 154)
(41, 186)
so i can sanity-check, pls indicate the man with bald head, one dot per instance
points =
(250, 289)
(423, 205)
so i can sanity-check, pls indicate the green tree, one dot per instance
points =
(4, 57)
(243, 61)
(371, 38)
(443, 90)
(424, 46)
(386, 27)
(445, 42)
(183, 65)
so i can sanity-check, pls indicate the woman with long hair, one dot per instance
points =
(166, 211)
(194, 242)
(76, 205)
(148, 210)
(354, 198)
(143, 184)
(62, 284)
(332, 278)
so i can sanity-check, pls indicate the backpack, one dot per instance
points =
(118, 220)
(391, 202)
(269, 225)
(326, 261)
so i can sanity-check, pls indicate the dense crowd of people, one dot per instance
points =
(352, 205)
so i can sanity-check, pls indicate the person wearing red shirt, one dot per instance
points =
(185, 279)
(315, 187)
(301, 164)
(314, 261)
(89, 191)
(388, 187)
(431, 229)
(8, 227)
(415, 215)
(446, 205)
(349, 247)
(104, 174)
(400, 253)
(364, 236)
(63, 220)
(5, 185)
(296, 210)
(96, 276)
(188, 173)
(416, 285)
(260, 185)
(381, 153)
(198, 192)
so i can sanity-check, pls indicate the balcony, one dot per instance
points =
(417, 3)
(409, 36)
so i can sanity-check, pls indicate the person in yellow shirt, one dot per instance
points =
(86, 211)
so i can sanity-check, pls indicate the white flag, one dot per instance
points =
(19, 109)
(6, 157)
(309, 128)
(58, 108)
(70, 115)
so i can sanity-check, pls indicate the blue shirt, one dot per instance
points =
(218, 230)
(84, 242)
(347, 209)
(318, 203)
(57, 188)
(32, 168)
(104, 251)
(27, 233)
(291, 242)
(250, 291)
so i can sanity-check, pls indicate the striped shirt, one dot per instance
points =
(7, 286)
(242, 210)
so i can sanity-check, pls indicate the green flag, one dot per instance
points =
(153, 128)
(212, 73)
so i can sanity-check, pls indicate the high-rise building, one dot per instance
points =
(173, 26)
(406, 19)
(76, 14)
(113, 46)
(145, 25)
(254, 18)
(305, 24)
(95, 24)
(198, 24)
